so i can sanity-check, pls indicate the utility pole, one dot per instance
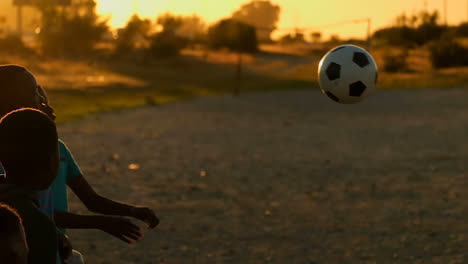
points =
(445, 12)
(135, 6)
(369, 42)
(19, 19)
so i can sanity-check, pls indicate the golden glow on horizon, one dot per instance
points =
(294, 13)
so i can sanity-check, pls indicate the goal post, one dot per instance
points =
(19, 10)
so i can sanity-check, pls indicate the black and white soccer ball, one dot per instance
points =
(347, 74)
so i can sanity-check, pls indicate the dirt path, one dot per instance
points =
(290, 178)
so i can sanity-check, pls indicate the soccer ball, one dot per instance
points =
(347, 74)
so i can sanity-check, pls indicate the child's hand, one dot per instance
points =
(121, 228)
(64, 246)
(146, 215)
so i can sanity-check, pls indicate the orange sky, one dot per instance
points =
(295, 13)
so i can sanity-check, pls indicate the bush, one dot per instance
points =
(131, 36)
(462, 30)
(14, 44)
(415, 31)
(166, 44)
(234, 35)
(396, 36)
(395, 61)
(446, 52)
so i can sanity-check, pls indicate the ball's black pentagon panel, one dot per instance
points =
(333, 71)
(336, 49)
(356, 89)
(332, 96)
(360, 59)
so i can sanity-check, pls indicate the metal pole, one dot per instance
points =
(135, 6)
(238, 74)
(19, 20)
(369, 33)
(445, 12)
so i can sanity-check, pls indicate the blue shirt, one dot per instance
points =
(68, 171)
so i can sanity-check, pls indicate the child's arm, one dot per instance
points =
(118, 227)
(99, 204)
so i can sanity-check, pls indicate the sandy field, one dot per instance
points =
(285, 177)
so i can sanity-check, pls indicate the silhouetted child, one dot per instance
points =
(29, 156)
(70, 174)
(18, 88)
(13, 246)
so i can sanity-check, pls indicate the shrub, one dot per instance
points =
(14, 44)
(446, 52)
(135, 31)
(166, 44)
(234, 35)
(395, 61)
(462, 30)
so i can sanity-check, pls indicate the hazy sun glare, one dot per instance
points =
(210, 10)
(314, 15)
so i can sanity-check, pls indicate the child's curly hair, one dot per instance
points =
(18, 88)
(28, 144)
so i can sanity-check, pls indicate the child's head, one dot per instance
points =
(13, 246)
(29, 148)
(18, 88)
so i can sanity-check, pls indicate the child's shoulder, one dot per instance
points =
(63, 147)
(27, 208)
(62, 144)
(16, 193)
(35, 222)
(40, 231)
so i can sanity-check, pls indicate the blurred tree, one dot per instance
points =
(165, 44)
(192, 28)
(13, 44)
(416, 30)
(171, 39)
(135, 32)
(70, 30)
(462, 30)
(447, 52)
(316, 36)
(170, 23)
(297, 37)
(399, 36)
(261, 14)
(286, 38)
(395, 60)
(236, 36)
(334, 39)
(428, 28)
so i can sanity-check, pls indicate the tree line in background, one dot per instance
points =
(76, 30)
(424, 30)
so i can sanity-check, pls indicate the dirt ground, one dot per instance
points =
(286, 177)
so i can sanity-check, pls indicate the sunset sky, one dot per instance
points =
(310, 14)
